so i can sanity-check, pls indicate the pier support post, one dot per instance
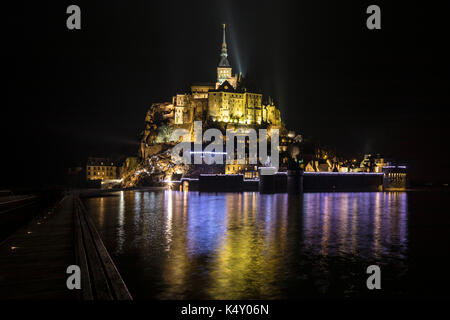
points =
(295, 181)
(266, 180)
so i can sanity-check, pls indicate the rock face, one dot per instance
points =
(156, 161)
(155, 170)
(161, 165)
(158, 129)
(138, 178)
(154, 149)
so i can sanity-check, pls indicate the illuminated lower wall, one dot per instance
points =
(342, 181)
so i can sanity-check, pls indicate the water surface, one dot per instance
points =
(189, 245)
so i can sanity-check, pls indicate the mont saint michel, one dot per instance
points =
(224, 155)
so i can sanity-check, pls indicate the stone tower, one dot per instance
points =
(224, 68)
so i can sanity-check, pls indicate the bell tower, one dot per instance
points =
(224, 68)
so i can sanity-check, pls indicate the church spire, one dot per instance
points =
(224, 53)
(224, 43)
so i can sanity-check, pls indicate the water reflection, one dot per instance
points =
(121, 229)
(366, 224)
(173, 244)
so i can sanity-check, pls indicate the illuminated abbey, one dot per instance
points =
(226, 104)
(225, 101)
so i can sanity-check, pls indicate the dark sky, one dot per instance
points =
(71, 94)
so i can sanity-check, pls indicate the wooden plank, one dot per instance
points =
(99, 281)
(80, 256)
(120, 290)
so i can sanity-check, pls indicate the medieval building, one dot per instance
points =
(227, 101)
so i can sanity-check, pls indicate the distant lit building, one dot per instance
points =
(321, 165)
(372, 163)
(250, 171)
(395, 177)
(380, 164)
(101, 169)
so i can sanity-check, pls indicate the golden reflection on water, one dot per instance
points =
(354, 232)
(244, 245)
(377, 227)
(176, 262)
(325, 224)
(102, 212)
(343, 217)
(122, 235)
(245, 264)
(169, 213)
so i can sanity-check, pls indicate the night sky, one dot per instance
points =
(73, 94)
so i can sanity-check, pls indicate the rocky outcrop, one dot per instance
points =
(155, 170)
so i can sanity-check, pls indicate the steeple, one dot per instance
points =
(224, 53)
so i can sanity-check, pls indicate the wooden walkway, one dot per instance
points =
(8, 200)
(15, 211)
(99, 273)
(34, 260)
